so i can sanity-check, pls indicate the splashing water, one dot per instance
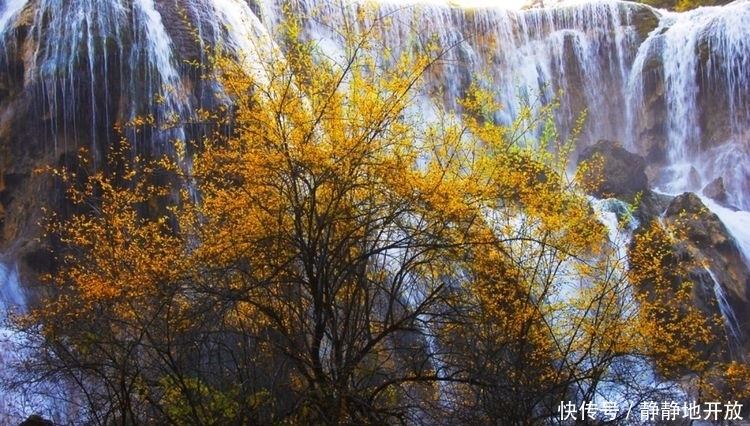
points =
(704, 48)
(42, 396)
(12, 296)
(12, 299)
(731, 325)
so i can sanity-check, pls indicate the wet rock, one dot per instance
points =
(661, 269)
(185, 28)
(644, 20)
(702, 227)
(613, 171)
(701, 251)
(715, 255)
(650, 121)
(694, 178)
(716, 191)
(651, 205)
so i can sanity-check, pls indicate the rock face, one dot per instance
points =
(707, 242)
(614, 171)
(718, 192)
(67, 76)
(703, 228)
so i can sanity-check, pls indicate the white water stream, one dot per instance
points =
(707, 44)
(731, 325)
(13, 406)
(41, 397)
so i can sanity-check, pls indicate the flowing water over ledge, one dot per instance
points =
(669, 86)
(130, 58)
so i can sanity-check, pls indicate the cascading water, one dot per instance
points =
(602, 56)
(680, 70)
(583, 51)
(731, 325)
(702, 58)
(11, 293)
(42, 396)
(128, 59)
(76, 57)
(12, 299)
(92, 63)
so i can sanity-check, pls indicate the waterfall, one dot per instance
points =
(12, 296)
(518, 55)
(12, 299)
(703, 57)
(673, 92)
(602, 58)
(160, 54)
(40, 397)
(94, 62)
(683, 132)
(731, 325)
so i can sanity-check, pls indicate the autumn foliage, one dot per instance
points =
(337, 258)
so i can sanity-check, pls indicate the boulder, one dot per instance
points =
(716, 191)
(701, 227)
(700, 250)
(717, 260)
(643, 19)
(613, 171)
(651, 205)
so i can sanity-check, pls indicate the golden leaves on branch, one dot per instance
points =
(115, 250)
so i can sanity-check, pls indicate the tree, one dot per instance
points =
(545, 314)
(324, 233)
(318, 245)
